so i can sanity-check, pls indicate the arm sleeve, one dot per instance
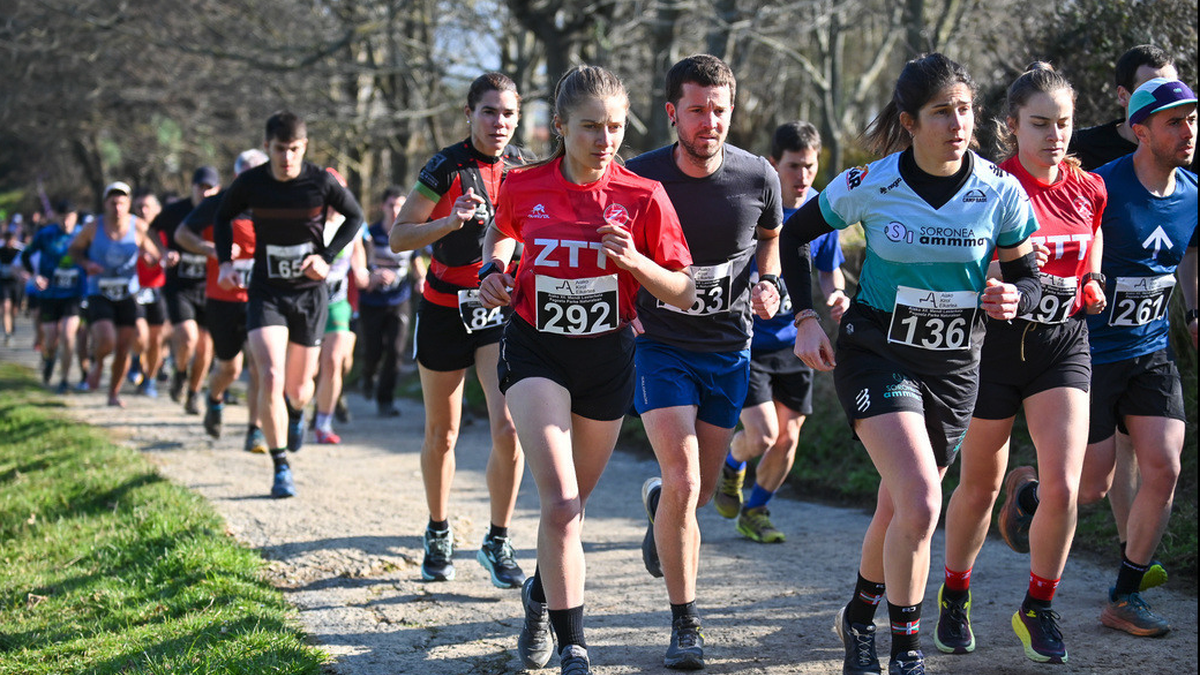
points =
(1023, 274)
(344, 203)
(233, 203)
(33, 247)
(803, 226)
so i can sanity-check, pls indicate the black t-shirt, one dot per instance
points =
(1099, 145)
(289, 221)
(720, 215)
(189, 272)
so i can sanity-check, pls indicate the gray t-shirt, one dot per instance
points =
(719, 214)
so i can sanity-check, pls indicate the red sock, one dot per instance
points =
(1042, 589)
(958, 581)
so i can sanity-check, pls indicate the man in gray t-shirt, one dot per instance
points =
(693, 366)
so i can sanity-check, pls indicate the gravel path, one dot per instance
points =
(347, 552)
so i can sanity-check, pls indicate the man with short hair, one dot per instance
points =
(61, 282)
(693, 365)
(288, 199)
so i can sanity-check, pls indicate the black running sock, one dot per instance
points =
(251, 428)
(293, 413)
(951, 595)
(439, 525)
(906, 627)
(867, 596)
(214, 402)
(1123, 550)
(279, 458)
(683, 610)
(537, 592)
(1129, 577)
(568, 627)
(497, 532)
(1027, 497)
(1031, 602)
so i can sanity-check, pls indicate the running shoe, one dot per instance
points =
(911, 662)
(192, 405)
(327, 437)
(1131, 614)
(536, 641)
(953, 633)
(295, 433)
(283, 486)
(859, 642)
(230, 397)
(256, 441)
(1156, 575)
(1013, 520)
(341, 412)
(83, 386)
(1039, 634)
(756, 525)
(134, 375)
(651, 490)
(177, 382)
(497, 557)
(439, 549)
(388, 410)
(574, 661)
(63, 388)
(47, 370)
(212, 419)
(686, 651)
(728, 499)
(148, 388)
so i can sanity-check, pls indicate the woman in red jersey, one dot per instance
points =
(593, 234)
(1038, 361)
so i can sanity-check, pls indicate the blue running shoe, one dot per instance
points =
(283, 486)
(497, 557)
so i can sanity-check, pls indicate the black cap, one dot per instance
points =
(64, 207)
(206, 175)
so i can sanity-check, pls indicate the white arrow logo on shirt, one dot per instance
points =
(1158, 238)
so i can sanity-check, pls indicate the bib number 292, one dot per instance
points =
(577, 306)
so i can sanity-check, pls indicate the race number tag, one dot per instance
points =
(287, 262)
(577, 306)
(1138, 301)
(337, 289)
(474, 315)
(145, 296)
(66, 279)
(115, 289)
(243, 267)
(714, 286)
(191, 266)
(1058, 299)
(934, 320)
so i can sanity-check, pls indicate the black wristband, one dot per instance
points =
(771, 279)
(489, 268)
(1022, 273)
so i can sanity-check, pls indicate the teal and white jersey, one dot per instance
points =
(910, 244)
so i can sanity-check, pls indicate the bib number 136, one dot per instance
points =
(934, 320)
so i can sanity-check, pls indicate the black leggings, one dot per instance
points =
(383, 332)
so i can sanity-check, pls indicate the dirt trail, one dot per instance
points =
(347, 551)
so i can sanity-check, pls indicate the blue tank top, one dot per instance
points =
(119, 259)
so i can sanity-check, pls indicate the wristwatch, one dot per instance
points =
(1098, 277)
(489, 269)
(771, 279)
(804, 315)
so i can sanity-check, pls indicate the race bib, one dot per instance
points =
(714, 286)
(7, 271)
(66, 279)
(115, 289)
(243, 267)
(287, 262)
(577, 306)
(1058, 299)
(1138, 301)
(474, 315)
(145, 296)
(934, 320)
(337, 289)
(191, 266)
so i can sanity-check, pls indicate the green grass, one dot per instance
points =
(109, 568)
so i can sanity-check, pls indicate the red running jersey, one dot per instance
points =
(565, 284)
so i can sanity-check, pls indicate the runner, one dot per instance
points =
(108, 248)
(61, 283)
(574, 307)
(385, 306)
(349, 267)
(450, 208)
(225, 307)
(184, 291)
(287, 199)
(780, 394)
(933, 213)
(693, 365)
(153, 305)
(10, 282)
(1037, 362)
(1149, 232)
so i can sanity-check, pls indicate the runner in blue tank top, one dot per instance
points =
(908, 347)
(108, 248)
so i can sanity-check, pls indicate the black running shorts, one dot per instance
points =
(442, 341)
(597, 371)
(123, 313)
(780, 376)
(1022, 358)
(154, 307)
(227, 326)
(1145, 386)
(53, 310)
(303, 311)
(186, 305)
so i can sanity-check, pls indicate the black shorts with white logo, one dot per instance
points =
(1022, 358)
(227, 326)
(154, 306)
(597, 370)
(186, 305)
(1145, 386)
(875, 377)
(303, 311)
(441, 339)
(53, 310)
(780, 375)
(123, 313)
